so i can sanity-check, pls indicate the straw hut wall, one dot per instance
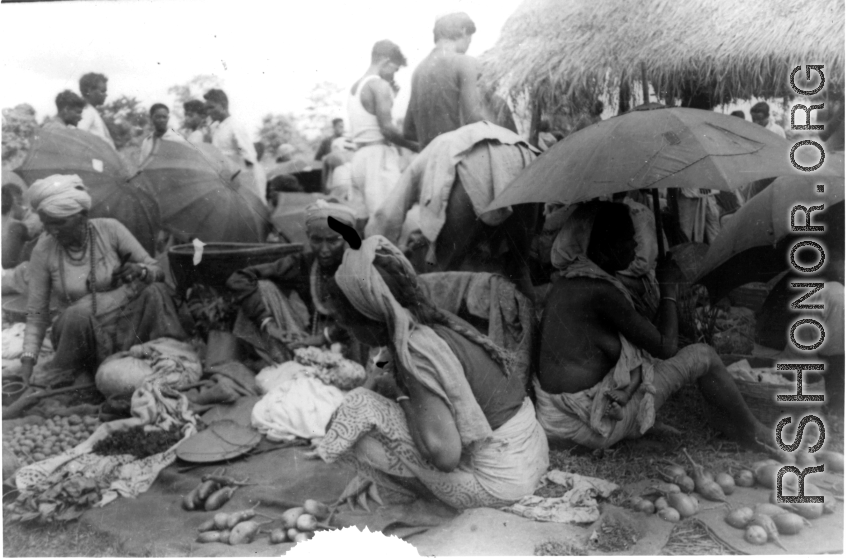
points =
(569, 52)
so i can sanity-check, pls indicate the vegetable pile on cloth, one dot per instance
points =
(301, 395)
(577, 505)
(173, 362)
(62, 487)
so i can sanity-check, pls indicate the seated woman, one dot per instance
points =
(462, 429)
(598, 378)
(284, 299)
(108, 287)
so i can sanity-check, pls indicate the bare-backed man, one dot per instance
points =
(445, 94)
(600, 379)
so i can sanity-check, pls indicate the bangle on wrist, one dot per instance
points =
(403, 398)
(672, 299)
(28, 356)
(326, 335)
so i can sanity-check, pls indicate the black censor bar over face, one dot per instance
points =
(806, 226)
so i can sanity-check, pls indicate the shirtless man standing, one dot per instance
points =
(376, 164)
(445, 94)
(600, 379)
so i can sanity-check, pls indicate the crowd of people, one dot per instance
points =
(444, 411)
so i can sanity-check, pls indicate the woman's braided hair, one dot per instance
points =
(408, 293)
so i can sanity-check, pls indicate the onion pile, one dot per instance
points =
(36, 442)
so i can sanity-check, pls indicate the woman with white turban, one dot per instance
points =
(108, 287)
(461, 427)
(284, 299)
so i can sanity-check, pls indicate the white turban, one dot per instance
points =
(59, 195)
(321, 209)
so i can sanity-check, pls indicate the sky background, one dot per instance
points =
(268, 54)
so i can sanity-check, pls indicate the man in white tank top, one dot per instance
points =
(376, 164)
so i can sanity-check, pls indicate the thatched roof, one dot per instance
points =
(565, 50)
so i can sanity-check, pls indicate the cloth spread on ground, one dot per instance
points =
(825, 536)
(577, 505)
(280, 478)
(371, 432)
(173, 362)
(493, 298)
(153, 406)
(419, 350)
(484, 156)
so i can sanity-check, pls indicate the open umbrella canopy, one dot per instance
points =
(198, 197)
(289, 218)
(294, 166)
(72, 151)
(655, 148)
(754, 244)
(11, 177)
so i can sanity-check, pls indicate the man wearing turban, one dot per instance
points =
(283, 301)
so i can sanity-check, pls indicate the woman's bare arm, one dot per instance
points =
(432, 426)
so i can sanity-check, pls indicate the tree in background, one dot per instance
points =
(325, 102)
(278, 129)
(193, 89)
(19, 126)
(127, 120)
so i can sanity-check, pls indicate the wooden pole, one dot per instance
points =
(535, 123)
(657, 212)
(645, 87)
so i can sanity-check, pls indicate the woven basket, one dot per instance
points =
(761, 398)
(751, 295)
(220, 260)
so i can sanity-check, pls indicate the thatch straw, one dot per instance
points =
(568, 51)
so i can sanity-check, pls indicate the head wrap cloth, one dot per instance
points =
(440, 370)
(59, 195)
(317, 213)
(571, 243)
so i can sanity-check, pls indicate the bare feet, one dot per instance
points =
(617, 401)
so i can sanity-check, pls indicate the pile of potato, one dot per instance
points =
(765, 522)
(229, 528)
(677, 499)
(36, 442)
(300, 523)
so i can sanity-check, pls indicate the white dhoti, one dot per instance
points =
(375, 171)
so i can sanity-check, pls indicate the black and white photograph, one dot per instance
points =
(445, 278)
